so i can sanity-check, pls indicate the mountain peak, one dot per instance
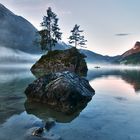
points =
(135, 49)
(137, 45)
(5, 11)
(2, 6)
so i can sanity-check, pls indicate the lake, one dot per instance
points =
(112, 114)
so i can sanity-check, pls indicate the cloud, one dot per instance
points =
(122, 34)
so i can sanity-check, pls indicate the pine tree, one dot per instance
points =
(50, 34)
(76, 38)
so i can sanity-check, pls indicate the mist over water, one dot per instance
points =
(113, 66)
(113, 113)
(8, 55)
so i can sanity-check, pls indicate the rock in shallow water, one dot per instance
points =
(65, 91)
(38, 132)
(32, 134)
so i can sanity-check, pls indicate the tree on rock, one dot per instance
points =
(76, 38)
(50, 34)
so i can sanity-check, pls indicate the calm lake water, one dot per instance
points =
(112, 114)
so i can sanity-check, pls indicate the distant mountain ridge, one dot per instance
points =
(93, 57)
(16, 32)
(135, 49)
(132, 56)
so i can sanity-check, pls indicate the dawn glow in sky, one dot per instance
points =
(110, 26)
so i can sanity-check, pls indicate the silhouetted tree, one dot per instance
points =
(76, 38)
(50, 34)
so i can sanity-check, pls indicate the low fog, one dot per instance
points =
(9, 56)
(108, 66)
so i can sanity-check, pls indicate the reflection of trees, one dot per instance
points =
(45, 112)
(130, 76)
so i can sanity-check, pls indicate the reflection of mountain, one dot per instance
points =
(12, 86)
(133, 78)
(130, 76)
(45, 112)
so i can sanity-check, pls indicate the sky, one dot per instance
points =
(110, 26)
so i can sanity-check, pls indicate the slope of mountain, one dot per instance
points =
(135, 49)
(131, 56)
(93, 57)
(133, 59)
(16, 32)
(61, 46)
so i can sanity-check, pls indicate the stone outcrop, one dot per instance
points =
(65, 91)
(61, 60)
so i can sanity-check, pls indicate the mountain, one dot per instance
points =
(131, 56)
(18, 36)
(93, 57)
(16, 32)
(61, 46)
(134, 50)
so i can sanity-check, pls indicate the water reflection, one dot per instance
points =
(45, 112)
(112, 108)
(14, 81)
(132, 77)
(17, 126)
(12, 85)
(9, 74)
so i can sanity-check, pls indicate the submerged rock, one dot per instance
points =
(37, 133)
(61, 60)
(65, 91)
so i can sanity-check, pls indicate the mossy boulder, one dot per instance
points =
(61, 60)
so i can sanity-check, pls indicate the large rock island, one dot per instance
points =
(65, 91)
